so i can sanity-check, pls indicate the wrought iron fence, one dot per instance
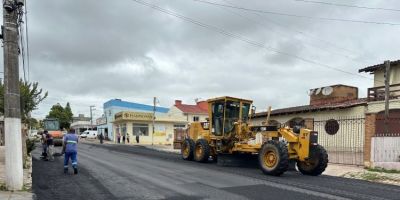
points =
(343, 138)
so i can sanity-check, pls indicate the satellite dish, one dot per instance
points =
(317, 91)
(310, 92)
(327, 91)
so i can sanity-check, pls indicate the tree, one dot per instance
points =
(31, 97)
(64, 115)
(68, 112)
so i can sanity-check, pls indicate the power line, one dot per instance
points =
(350, 6)
(306, 34)
(299, 16)
(241, 38)
(262, 24)
(27, 41)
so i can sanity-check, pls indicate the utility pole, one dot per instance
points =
(154, 118)
(387, 94)
(91, 117)
(12, 111)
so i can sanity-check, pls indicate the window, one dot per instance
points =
(123, 129)
(245, 112)
(196, 118)
(140, 129)
(179, 126)
(217, 110)
(332, 126)
(231, 115)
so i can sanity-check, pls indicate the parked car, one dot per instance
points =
(89, 134)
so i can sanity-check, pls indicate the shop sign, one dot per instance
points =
(137, 116)
(160, 130)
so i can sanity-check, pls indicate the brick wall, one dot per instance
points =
(369, 133)
(341, 93)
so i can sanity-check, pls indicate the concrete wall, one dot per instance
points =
(378, 106)
(385, 152)
(318, 115)
(394, 76)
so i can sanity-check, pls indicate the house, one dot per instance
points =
(192, 113)
(382, 134)
(336, 113)
(353, 130)
(81, 123)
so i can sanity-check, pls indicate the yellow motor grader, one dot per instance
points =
(228, 132)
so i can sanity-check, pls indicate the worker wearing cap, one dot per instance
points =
(70, 150)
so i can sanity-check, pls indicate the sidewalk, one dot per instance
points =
(17, 195)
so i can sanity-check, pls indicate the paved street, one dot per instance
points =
(134, 172)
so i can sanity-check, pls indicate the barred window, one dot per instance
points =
(332, 126)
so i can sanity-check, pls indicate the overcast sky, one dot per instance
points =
(89, 51)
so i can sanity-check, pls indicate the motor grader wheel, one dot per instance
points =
(273, 158)
(187, 149)
(317, 162)
(201, 151)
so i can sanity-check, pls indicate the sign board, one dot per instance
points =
(160, 130)
(136, 116)
(101, 120)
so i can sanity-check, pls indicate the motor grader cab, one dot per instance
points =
(228, 132)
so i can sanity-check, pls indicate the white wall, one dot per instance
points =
(378, 106)
(385, 152)
(317, 115)
(176, 113)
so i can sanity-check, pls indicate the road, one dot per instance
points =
(135, 172)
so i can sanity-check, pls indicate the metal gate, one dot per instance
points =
(343, 138)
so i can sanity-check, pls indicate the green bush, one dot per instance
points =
(30, 145)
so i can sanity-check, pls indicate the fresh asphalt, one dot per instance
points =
(135, 172)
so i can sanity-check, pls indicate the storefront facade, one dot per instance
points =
(128, 125)
(115, 106)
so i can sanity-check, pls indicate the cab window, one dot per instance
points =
(232, 114)
(217, 110)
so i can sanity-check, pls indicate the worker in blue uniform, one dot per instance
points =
(70, 150)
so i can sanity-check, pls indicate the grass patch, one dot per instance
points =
(372, 177)
(379, 169)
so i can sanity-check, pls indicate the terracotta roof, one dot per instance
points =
(309, 108)
(378, 66)
(194, 109)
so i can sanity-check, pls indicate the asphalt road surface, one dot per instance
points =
(134, 172)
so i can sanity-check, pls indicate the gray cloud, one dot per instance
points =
(88, 52)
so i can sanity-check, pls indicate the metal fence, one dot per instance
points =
(343, 138)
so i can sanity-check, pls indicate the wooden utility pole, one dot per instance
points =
(387, 94)
(12, 111)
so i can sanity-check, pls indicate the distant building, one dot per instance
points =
(82, 123)
(115, 106)
(192, 113)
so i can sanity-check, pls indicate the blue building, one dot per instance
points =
(114, 106)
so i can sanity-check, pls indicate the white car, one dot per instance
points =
(89, 134)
